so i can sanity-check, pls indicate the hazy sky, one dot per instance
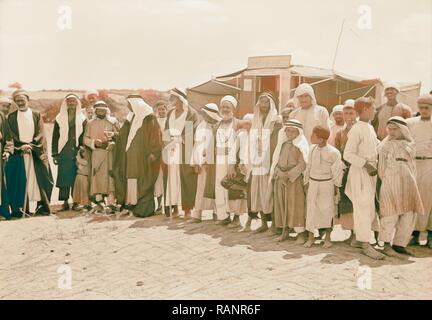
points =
(164, 43)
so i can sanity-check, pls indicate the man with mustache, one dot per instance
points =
(28, 175)
(229, 169)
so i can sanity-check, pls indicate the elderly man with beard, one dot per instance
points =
(229, 169)
(261, 145)
(389, 109)
(27, 171)
(67, 138)
(180, 178)
(99, 137)
(137, 156)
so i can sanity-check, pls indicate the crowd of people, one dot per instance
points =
(302, 169)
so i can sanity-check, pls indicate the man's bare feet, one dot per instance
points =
(275, 231)
(284, 236)
(223, 222)
(389, 251)
(187, 216)
(402, 250)
(308, 243)
(327, 244)
(355, 244)
(247, 227)
(301, 239)
(263, 228)
(195, 220)
(372, 253)
(234, 224)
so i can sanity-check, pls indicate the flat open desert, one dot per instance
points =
(156, 258)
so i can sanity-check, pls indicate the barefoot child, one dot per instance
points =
(80, 193)
(400, 200)
(286, 176)
(361, 152)
(323, 177)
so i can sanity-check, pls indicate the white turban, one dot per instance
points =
(230, 99)
(5, 100)
(349, 103)
(338, 108)
(393, 85)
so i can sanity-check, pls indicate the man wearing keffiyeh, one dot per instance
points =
(67, 138)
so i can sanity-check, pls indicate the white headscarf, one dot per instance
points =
(212, 110)
(300, 142)
(272, 115)
(179, 94)
(302, 89)
(349, 103)
(393, 85)
(231, 99)
(140, 110)
(62, 120)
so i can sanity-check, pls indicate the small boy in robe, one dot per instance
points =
(323, 177)
(80, 192)
(400, 200)
(286, 178)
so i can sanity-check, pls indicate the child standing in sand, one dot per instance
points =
(400, 200)
(81, 187)
(323, 177)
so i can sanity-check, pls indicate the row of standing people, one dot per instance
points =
(110, 171)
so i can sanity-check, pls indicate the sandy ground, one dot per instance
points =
(156, 258)
(70, 256)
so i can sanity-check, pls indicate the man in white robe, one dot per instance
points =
(204, 155)
(262, 140)
(307, 111)
(421, 130)
(228, 165)
(180, 178)
(361, 152)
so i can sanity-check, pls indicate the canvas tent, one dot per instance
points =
(277, 74)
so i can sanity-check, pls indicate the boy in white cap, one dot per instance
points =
(400, 200)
